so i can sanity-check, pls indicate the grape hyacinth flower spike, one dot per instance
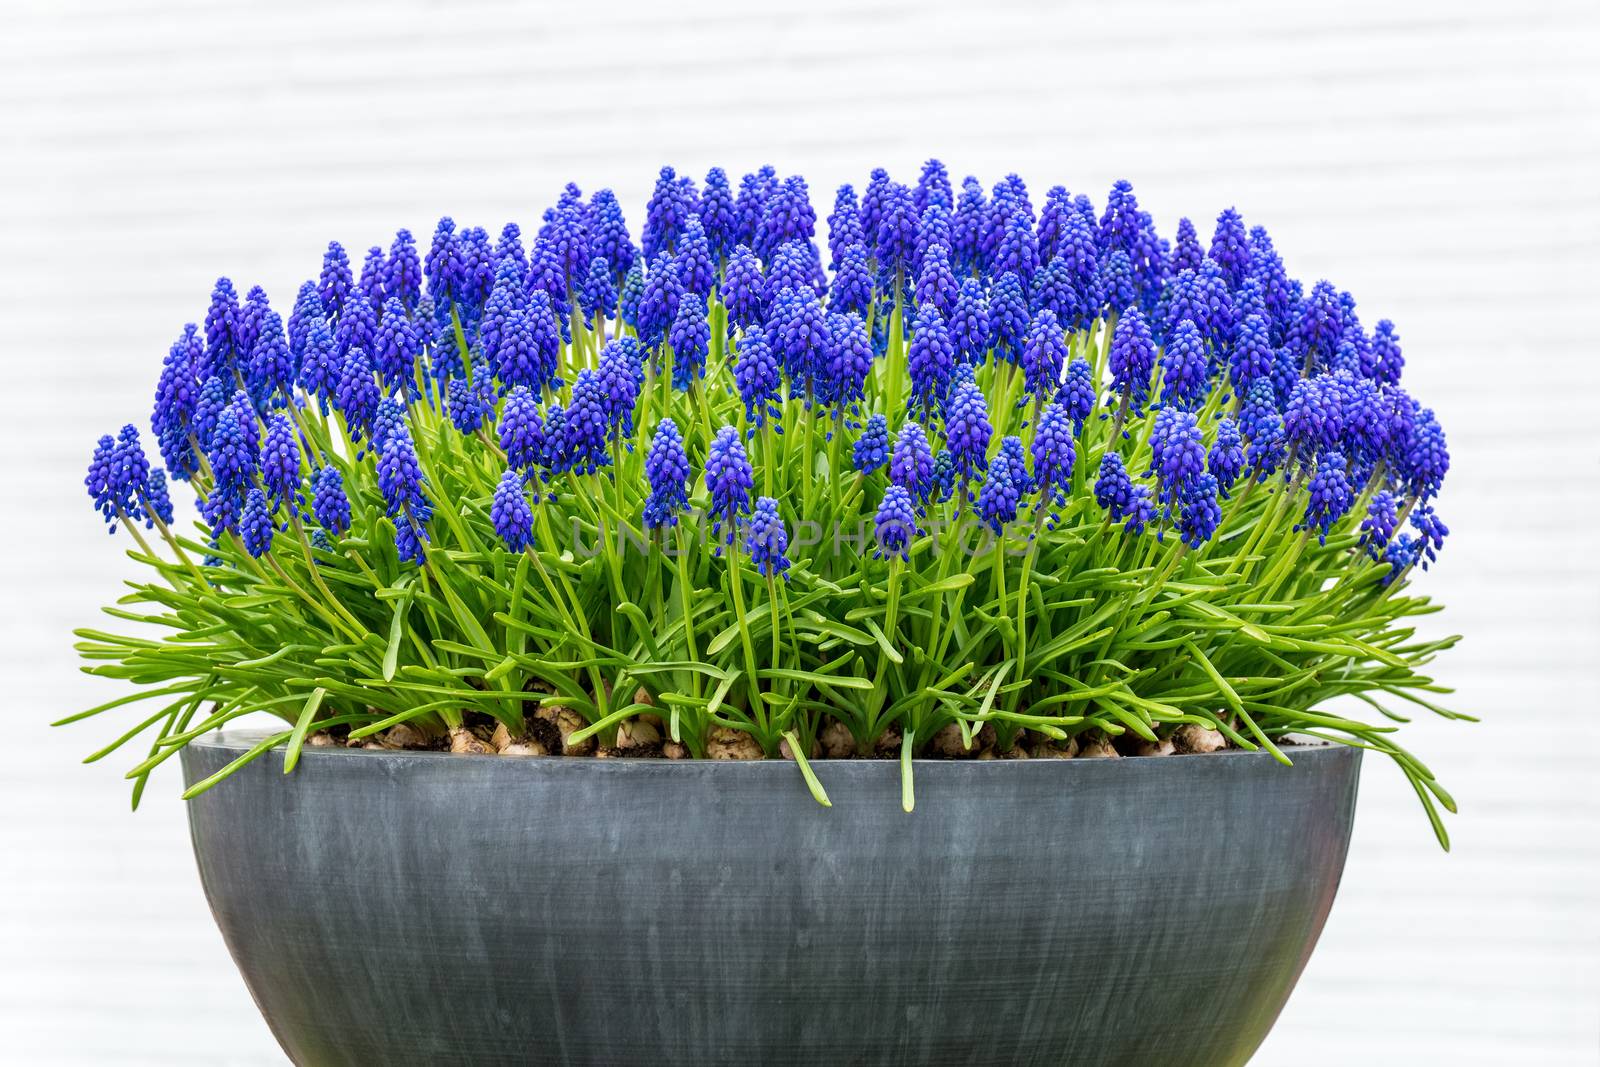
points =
(1000, 495)
(895, 524)
(1054, 455)
(1331, 495)
(329, 504)
(1044, 354)
(967, 429)
(766, 540)
(871, 449)
(510, 512)
(911, 462)
(729, 480)
(256, 524)
(666, 468)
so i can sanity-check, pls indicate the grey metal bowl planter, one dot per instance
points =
(400, 908)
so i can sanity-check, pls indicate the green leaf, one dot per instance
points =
(819, 794)
(260, 748)
(581, 735)
(499, 670)
(402, 605)
(641, 626)
(908, 792)
(889, 651)
(831, 628)
(721, 642)
(119, 701)
(944, 585)
(843, 681)
(720, 692)
(297, 738)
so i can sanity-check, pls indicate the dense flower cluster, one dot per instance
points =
(944, 367)
(485, 332)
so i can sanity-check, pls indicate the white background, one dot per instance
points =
(1438, 159)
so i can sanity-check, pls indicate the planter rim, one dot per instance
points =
(241, 740)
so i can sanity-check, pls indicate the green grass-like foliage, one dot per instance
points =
(1058, 627)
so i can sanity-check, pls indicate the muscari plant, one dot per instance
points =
(992, 468)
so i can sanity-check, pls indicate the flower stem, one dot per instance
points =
(736, 588)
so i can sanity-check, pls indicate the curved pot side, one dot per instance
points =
(398, 908)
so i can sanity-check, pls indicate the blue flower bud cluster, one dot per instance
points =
(1000, 333)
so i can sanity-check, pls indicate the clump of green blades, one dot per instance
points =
(1059, 626)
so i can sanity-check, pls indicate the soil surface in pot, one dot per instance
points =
(550, 728)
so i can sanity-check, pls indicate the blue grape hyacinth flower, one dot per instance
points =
(967, 428)
(1184, 379)
(1226, 458)
(329, 504)
(758, 376)
(729, 480)
(871, 449)
(911, 462)
(1044, 354)
(621, 374)
(510, 512)
(521, 430)
(690, 339)
(587, 432)
(1378, 528)
(1000, 495)
(895, 524)
(1132, 360)
(1054, 453)
(256, 524)
(1079, 392)
(1200, 514)
(849, 362)
(766, 540)
(1330, 495)
(1177, 455)
(280, 460)
(666, 468)
(930, 359)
